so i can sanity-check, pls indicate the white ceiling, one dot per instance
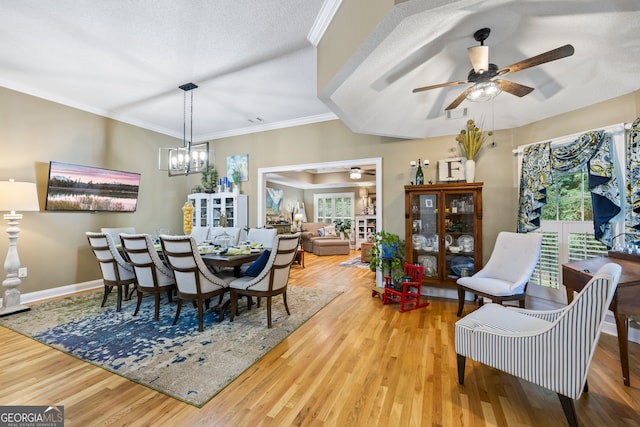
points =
(254, 59)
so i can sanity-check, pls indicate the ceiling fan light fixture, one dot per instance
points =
(479, 56)
(356, 173)
(483, 91)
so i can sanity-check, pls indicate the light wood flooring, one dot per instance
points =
(356, 363)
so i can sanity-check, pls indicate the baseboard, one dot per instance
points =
(59, 291)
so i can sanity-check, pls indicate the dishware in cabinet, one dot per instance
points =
(444, 230)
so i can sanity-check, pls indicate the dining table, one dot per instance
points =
(231, 261)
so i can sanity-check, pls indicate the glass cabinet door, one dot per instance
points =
(424, 239)
(459, 229)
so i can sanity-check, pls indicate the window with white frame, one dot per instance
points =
(329, 207)
(566, 220)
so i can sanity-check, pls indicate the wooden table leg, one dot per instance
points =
(622, 325)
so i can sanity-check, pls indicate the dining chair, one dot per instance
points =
(232, 233)
(273, 278)
(507, 273)
(152, 274)
(116, 272)
(194, 281)
(265, 236)
(115, 232)
(552, 349)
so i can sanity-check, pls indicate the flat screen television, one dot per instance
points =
(89, 189)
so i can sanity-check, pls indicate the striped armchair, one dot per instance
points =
(552, 349)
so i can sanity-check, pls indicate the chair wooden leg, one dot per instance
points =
(170, 295)
(461, 362)
(234, 304)
(269, 312)
(585, 389)
(200, 315)
(178, 308)
(107, 291)
(156, 311)
(460, 300)
(119, 306)
(135, 313)
(284, 297)
(569, 410)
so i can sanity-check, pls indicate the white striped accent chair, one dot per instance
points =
(552, 349)
(507, 273)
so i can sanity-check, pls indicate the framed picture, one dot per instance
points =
(238, 162)
(428, 203)
(451, 169)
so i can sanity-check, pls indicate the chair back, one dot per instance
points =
(414, 272)
(113, 267)
(265, 236)
(275, 274)
(191, 273)
(115, 232)
(578, 330)
(230, 233)
(513, 259)
(150, 271)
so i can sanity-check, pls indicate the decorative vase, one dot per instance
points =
(470, 170)
(236, 188)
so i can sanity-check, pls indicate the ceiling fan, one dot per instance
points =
(485, 76)
(356, 173)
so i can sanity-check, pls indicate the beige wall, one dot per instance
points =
(53, 247)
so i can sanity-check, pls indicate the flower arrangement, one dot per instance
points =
(471, 139)
(236, 175)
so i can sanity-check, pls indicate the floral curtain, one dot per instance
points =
(632, 211)
(539, 163)
(536, 177)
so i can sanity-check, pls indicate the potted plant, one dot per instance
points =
(343, 226)
(209, 180)
(236, 174)
(387, 255)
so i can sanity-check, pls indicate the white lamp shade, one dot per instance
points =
(18, 196)
(364, 192)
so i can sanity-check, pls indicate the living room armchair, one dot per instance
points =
(552, 349)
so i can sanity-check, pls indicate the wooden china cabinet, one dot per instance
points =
(443, 227)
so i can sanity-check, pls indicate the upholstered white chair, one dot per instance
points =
(152, 275)
(273, 278)
(116, 272)
(552, 349)
(232, 233)
(265, 236)
(115, 232)
(506, 274)
(200, 234)
(194, 281)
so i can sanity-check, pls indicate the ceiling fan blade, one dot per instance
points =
(552, 55)
(457, 101)
(420, 89)
(514, 88)
(479, 57)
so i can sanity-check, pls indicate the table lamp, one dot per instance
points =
(15, 196)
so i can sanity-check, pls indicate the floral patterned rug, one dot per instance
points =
(176, 360)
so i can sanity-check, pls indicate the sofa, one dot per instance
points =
(329, 243)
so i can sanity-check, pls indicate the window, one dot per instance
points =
(566, 226)
(331, 206)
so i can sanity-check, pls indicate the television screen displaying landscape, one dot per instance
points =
(85, 188)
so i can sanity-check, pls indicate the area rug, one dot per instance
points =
(355, 263)
(176, 360)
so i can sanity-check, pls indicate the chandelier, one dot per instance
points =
(190, 158)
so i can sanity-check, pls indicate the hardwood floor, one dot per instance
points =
(356, 363)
